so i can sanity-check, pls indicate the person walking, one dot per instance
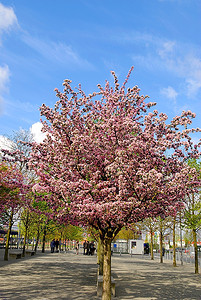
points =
(85, 247)
(91, 248)
(77, 247)
(52, 245)
(57, 245)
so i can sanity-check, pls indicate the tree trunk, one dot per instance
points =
(100, 254)
(37, 239)
(152, 244)
(32, 247)
(26, 230)
(8, 235)
(60, 242)
(44, 236)
(161, 242)
(195, 237)
(196, 251)
(174, 247)
(106, 295)
(27, 243)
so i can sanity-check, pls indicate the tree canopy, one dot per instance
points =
(109, 159)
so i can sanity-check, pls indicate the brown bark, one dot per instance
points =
(100, 254)
(8, 235)
(37, 239)
(106, 295)
(44, 237)
(26, 225)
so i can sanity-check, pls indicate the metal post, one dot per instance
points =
(19, 236)
(181, 240)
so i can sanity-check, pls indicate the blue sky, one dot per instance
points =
(44, 42)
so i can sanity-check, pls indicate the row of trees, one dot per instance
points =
(110, 159)
(17, 205)
(189, 219)
(15, 182)
(183, 226)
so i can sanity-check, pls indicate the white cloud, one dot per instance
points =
(193, 86)
(181, 60)
(166, 49)
(38, 135)
(184, 64)
(193, 80)
(4, 77)
(22, 106)
(5, 143)
(7, 18)
(56, 51)
(169, 93)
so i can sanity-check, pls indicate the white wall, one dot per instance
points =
(136, 246)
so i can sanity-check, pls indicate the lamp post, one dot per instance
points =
(181, 240)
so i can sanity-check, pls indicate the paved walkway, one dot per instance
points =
(73, 277)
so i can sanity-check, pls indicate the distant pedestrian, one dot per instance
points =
(52, 245)
(88, 249)
(85, 247)
(91, 248)
(57, 245)
(77, 247)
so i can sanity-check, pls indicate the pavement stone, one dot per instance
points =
(73, 277)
